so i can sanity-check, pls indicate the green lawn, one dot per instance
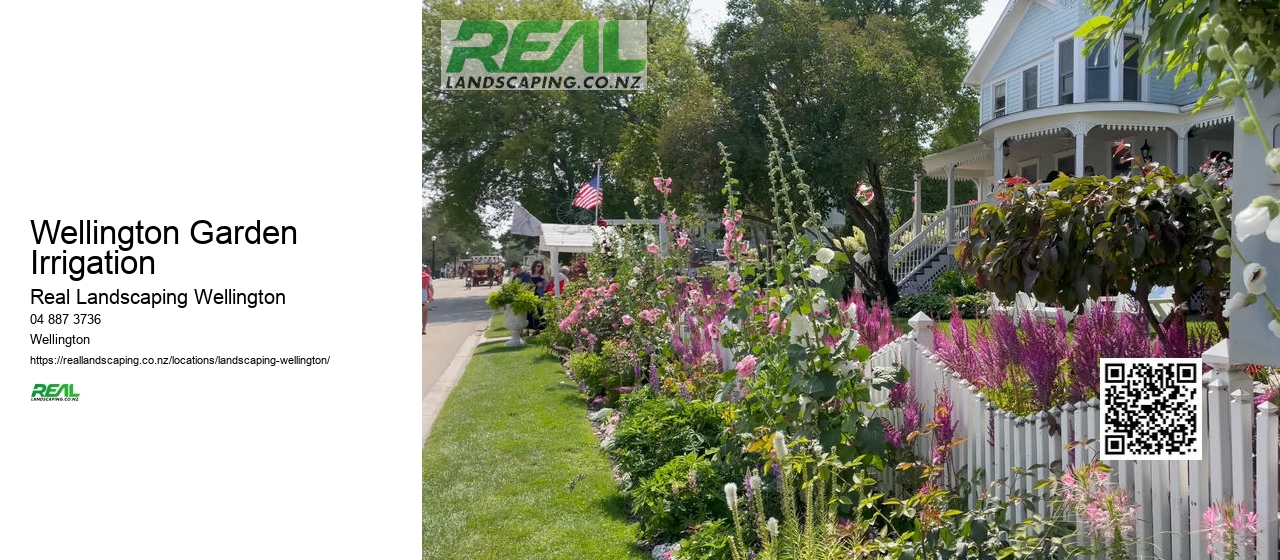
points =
(495, 327)
(513, 470)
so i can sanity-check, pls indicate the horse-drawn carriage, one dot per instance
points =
(486, 270)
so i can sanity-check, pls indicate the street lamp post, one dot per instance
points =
(433, 253)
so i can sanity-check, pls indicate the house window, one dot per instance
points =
(1030, 170)
(998, 100)
(1132, 79)
(1067, 164)
(1066, 72)
(1097, 74)
(1030, 90)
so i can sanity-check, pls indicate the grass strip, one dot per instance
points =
(513, 470)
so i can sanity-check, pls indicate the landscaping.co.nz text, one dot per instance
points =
(181, 361)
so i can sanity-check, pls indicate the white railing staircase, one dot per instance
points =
(936, 237)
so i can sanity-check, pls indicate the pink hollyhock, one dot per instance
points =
(583, 331)
(626, 319)
(653, 248)
(746, 366)
(774, 320)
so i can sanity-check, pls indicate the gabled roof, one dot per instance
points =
(999, 39)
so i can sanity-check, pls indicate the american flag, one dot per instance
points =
(590, 195)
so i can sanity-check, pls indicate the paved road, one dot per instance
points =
(456, 315)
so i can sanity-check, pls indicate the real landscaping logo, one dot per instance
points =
(548, 54)
(54, 392)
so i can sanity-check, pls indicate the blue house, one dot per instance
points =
(1047, 106)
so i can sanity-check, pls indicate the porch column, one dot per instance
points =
(915, 208)
(1080, 152)
(1182, 150)
(999, 167)
(951, 195)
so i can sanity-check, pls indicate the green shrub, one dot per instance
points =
(590, 370)
(954, 283)
(516, 294)
(711, 542)
(687, 490)
(655, 430)
(933, 305)
(974, 306)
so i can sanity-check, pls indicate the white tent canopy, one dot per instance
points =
(570, 238)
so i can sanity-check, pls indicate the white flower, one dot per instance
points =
(801, 327)
(861, 258)
(635, 270)
(1235, 303)
(631, 283)
(817, 273)
(1273, 159)
(780, 448)
(637, 201)
(845, 367)
(1251, 221)
(1255, 276)
(731, 494)
(820, 304)
(825, 255)
(804, 401)
(1274, 325)
(1273, 231)
(772, 524)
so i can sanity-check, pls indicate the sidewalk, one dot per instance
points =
(458, 320)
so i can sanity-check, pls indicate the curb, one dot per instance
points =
(434, 401)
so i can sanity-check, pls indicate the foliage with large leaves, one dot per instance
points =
(1089, 237)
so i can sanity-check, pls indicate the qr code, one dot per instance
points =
(1152, 409)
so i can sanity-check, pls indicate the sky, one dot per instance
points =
(705, 14)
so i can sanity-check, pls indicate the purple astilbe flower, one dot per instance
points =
(911, 418)
(944, 427)
(654, 381)
(748, 489)
(900, 395)
(1045, 346)
(891, 434)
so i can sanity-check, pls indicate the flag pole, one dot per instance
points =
(601, 187)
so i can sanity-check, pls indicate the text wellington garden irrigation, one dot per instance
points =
(543, 54)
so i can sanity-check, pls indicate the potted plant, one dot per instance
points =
(515, 299)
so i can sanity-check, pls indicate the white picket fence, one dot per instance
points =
(1171, 495)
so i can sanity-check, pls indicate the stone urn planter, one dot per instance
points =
(514, 322)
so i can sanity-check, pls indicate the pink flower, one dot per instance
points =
(626, 319)
(733, 281)
(653, 248)
(973, 202)
(659, 277)
(774, 320)
(583, 331)
(728, 225)
(746, 366)
(682, 241)
(663, 185)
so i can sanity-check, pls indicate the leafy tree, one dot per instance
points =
(1089, 237)
(858, 84)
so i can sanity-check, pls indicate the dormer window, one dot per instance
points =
(998, 100)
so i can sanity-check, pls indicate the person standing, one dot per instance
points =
(428, 295)
(561, 279)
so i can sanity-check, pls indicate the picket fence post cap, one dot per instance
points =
(1268, 409)
(920, 321)
(1217, 356)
